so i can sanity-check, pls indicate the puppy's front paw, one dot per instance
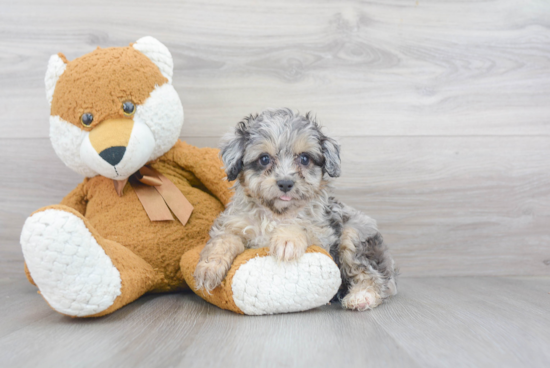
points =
(210, 273)
(361, 300)
(288, 246)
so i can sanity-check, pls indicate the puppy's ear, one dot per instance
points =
(331, 153)
(232, 150)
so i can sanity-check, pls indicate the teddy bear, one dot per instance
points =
(139, 220)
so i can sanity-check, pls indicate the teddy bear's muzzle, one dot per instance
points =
(117, 148)
(110, 139)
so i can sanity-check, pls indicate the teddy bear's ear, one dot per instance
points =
(56, 67)
(158, 54)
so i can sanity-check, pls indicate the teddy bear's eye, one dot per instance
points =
(129, 108)
(86, 119)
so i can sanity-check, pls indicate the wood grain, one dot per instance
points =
(365, 68)
(458, 206)
(471, 322)
(443, 115)
(432, 322)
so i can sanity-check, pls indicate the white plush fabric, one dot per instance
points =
(56, 67)
(71, 270)
(163, 114)
(158, 54)
(265, 286)
(66, 141)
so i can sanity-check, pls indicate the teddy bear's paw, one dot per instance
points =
(361, 300)
(70, 268)
(264, 285)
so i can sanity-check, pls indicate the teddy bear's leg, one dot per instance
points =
(28, 274)
(257, 284)
(77, 271)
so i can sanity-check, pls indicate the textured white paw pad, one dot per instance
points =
(264, 286)
(71, 270)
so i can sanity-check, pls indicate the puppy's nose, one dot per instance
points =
(285, 185)
(113, 155)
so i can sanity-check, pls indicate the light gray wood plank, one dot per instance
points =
(469, 322)
(325, 337)
(182, 330)
(432, 322)
(446, 205)
(441, 108)
(20, 304)
(366, 68)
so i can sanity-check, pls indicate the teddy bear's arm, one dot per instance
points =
(77, 198)
(206, 165)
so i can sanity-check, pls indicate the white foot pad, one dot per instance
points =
(71, 270)
(265, 286)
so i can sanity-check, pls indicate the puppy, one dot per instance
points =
(284, 165)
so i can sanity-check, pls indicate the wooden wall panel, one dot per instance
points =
(366, 68)
(441, 108)
(446, 205)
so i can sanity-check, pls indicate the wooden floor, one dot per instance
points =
(432, 322)
(442, 109)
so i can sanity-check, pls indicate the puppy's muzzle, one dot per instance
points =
(285, 185)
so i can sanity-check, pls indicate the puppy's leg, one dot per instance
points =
(367, 267)
(216, 259)
(288, 243)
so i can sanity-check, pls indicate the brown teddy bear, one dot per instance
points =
(139, 220)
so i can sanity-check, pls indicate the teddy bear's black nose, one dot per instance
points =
(113, 155)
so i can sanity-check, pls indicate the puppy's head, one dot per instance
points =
(280, 158)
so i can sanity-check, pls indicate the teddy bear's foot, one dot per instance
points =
(70, 268)
(264, 285)
(78, 272)
(258, 284)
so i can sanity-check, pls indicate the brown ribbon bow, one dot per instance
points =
(156, 194)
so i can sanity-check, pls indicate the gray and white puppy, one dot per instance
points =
(284, 164)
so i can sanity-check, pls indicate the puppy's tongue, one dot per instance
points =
(285, 198)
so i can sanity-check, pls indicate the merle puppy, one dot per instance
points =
(284, 165)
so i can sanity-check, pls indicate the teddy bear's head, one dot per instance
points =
(114, 109)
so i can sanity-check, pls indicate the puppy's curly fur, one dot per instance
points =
(284, 165)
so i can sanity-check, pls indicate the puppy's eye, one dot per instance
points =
(129, 108)
(304, 159)
(86, 119)
(265, 160)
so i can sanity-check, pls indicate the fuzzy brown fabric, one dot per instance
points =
(160, 256)
(28, 274)
(197, 173)
(124, 73)
(150, 256)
